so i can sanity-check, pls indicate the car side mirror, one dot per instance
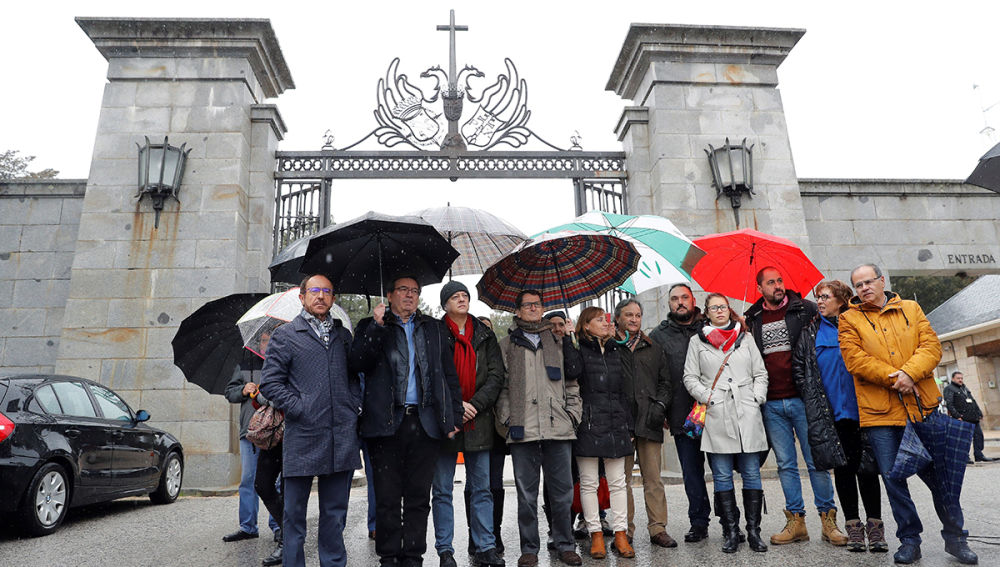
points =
(141, 415)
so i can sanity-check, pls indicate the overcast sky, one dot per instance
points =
(873, 89)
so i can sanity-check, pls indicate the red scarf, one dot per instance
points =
(465, 360)
(722, 339)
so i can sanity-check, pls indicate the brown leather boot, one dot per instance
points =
(622, 546)
(794, 530)
(597, 549)
(831, 532)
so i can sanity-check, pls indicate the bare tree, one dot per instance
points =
(15, 166)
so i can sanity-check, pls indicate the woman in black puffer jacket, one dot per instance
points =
(605, 431)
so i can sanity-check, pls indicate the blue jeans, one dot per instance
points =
(722, 470)
(785, 420)
(477, 475)
(334, 492)
(249, 503)
(693, 471)
(885, 444)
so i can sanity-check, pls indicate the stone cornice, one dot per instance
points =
(268, 114)
(631, 115)
(251, 39)
(648, 43)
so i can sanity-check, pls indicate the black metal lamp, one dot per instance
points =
(732, 172)
(161, 167)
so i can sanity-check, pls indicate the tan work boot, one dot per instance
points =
(597, 549)
(795, 530)
(831, 532)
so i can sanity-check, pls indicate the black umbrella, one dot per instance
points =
(987, 172)
(360, 255)
(208, 346)
(287, 262)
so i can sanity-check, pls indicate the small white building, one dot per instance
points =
(968, 325)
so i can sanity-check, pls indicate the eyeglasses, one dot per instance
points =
(531, 305)
(824, 297)
(319, 290)
(408, 290)
(718, 308)
(866, 283)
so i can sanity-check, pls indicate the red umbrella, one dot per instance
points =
(732, 260)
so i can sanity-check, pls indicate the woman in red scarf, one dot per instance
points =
(480, 375)
(727, 372)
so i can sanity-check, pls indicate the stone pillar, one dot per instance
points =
(692, 86)
(200, 82)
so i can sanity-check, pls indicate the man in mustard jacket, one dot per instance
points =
(890, 348)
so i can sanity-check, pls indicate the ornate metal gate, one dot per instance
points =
(427, 118)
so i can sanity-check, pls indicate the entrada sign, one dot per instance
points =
(971, 259)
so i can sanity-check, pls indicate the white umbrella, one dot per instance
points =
(274, 311)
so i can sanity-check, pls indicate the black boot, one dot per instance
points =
(729, 517)
(753, 501)
(275, 557)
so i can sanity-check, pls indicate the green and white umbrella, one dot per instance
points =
(666, 255)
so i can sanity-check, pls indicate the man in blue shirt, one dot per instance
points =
(411, 402)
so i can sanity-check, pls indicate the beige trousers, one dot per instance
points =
(652, 486)
(614, 470)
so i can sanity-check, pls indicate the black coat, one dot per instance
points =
(490, 374)
(674, 338)
(381, 353)
(955, 397)
(824, 443)
(606, 428)
(647, 387)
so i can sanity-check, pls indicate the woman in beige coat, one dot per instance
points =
(734, 434)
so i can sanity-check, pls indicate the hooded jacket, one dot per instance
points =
(876, 342)
(674, 338)
(606, 427)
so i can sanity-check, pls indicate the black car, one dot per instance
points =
(68, 441)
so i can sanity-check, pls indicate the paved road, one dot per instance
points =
(188, 533)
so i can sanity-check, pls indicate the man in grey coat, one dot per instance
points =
(307, 377)
(240, 390)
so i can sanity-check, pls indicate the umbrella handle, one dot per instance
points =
(920, 406)
(753, 250)
(378, 245)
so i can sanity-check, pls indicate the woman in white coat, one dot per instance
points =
(734, 434)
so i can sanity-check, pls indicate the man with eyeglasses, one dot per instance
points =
(537, 412)
(412, 402)
(776, 320)
(306, 376)
(891, 350)
(673, 334)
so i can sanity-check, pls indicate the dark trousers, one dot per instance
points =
(404, 469)
(692, 461)
(978, 442)
(334, 492)
(530, 460)
(265, 484)
(849, 479)
(885, 442)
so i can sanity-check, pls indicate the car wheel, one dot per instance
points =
(170, 480)
(46, 502)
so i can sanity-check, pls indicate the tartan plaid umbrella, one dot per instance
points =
(668, 257)
(912, 457)
(481, 238)
(948, 441)
(566, 267)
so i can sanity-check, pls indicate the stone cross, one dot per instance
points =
(451, 28)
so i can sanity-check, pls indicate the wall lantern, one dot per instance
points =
(732, 172)
(161, 167)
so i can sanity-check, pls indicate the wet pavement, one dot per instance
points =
(136, 533)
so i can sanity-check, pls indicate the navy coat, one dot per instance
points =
(380, 352)
(321, 398)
